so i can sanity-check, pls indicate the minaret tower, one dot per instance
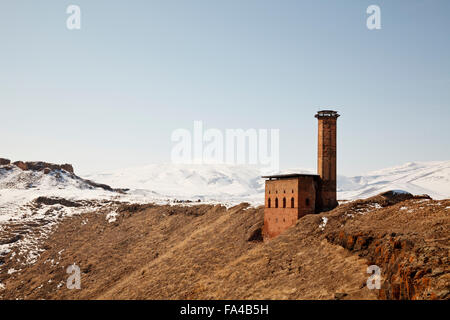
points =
(326, 158)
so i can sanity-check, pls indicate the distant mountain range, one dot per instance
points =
(432, 178)
(225, 184)
(244, 183)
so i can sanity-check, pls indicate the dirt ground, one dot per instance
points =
(211, 252)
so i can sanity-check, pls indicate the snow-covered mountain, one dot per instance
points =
(244, 183)
(228, 184)
(432, 178)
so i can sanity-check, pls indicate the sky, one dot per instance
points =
(110, 95)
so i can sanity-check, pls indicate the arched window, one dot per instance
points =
(268, 203)
(276, 202)
(292, 202)
(284, 202)
(307, 201)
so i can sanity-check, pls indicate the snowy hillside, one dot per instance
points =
(19, 187)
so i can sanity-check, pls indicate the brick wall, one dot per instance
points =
(326, 161)
(303, 192)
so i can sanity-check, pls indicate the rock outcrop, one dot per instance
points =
(40, 166)
(406, 238)
(4, 162)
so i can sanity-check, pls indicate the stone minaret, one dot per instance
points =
(326, 158)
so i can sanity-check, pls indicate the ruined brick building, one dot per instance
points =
(289, 197)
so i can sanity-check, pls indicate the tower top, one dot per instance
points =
(327, 114)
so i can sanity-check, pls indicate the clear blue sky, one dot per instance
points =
(109, 95)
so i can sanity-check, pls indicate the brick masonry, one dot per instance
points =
(326, 161)
(289, 198)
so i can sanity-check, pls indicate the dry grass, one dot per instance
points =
(203, 252)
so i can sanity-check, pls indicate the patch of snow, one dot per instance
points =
(4, 249)
(403, 208)
(323, 223)
(112, 217)
(2, 286)
(11, 271)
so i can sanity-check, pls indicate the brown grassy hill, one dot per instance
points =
(210, 252)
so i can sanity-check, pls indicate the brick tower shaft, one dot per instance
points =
(326, 158)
